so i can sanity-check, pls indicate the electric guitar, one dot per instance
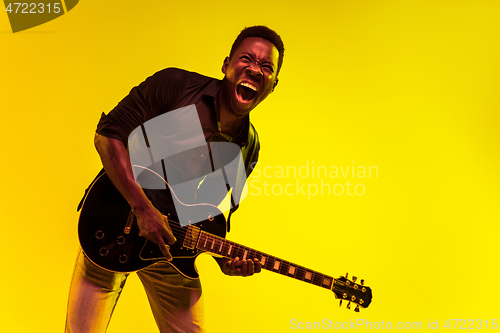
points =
(109, 237)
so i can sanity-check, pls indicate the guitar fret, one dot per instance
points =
(284, 268)
(308, 276)
(218, 245)
(240, 252)
(300, 274)
(327, 282)
(270, 264)
(253, 254)
(317, 279)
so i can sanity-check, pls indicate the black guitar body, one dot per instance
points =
(105, 214)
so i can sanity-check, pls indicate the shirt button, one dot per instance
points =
(202, 155)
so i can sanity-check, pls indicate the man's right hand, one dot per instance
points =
(152, 224)
(155, 227)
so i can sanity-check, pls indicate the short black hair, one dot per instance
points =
(264, 32)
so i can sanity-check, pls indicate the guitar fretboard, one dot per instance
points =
(218, 245)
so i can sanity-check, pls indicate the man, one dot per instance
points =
(223, 107)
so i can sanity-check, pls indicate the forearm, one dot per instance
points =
(116, 162)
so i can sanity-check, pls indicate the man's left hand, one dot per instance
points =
(238, 267)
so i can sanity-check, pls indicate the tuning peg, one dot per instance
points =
(362, 282)
(340, 303)
(354, 278)
(346, 275)
(349, 305)
(357, 309)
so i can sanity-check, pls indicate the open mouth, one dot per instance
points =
(246, 91)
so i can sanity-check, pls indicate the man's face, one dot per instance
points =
(250, 75)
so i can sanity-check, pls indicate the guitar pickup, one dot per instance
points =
(191, 237)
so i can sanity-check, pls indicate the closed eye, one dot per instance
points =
(268, 68)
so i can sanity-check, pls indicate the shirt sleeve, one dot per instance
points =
(156, 95)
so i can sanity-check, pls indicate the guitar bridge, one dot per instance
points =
(191, 237)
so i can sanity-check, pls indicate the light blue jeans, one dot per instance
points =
(176, 301)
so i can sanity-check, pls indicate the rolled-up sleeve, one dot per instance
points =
(151, 98)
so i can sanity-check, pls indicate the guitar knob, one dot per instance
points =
(103, 251)
(354, 278)
(120, 240)
(99, 234)
(349, 305)
(357, 309)
(123, 258)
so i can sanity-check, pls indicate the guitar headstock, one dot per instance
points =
(349, 290)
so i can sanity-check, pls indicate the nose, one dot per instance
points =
(254, 69)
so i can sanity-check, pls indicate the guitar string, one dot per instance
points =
(183, 231)
(299, 273)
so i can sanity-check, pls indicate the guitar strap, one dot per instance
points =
(250, 154)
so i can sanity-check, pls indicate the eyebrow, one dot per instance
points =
(254, 56)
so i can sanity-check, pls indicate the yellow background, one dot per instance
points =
(411, 87)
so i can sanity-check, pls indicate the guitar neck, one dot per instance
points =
(223, 247)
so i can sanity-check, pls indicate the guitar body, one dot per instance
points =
(105, 214)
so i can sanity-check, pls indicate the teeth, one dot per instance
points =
(248, 85)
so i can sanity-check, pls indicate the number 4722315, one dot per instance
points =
(33, 8)
(471, 324)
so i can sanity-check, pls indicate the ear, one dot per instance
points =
(275, 84)
(224, 65)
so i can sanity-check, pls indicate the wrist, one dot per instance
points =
(221, 261)
(140, 205)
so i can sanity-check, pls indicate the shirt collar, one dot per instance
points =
(212, 90)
